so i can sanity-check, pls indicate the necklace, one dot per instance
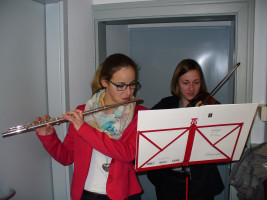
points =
(106, 165)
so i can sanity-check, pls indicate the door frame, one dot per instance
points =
(242, 12)
(57, 91)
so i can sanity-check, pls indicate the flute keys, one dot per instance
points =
(19, 127)
(41, 121)
(57, 120)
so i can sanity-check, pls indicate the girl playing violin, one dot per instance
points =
(205, 181)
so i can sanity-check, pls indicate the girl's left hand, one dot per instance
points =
(74, 117)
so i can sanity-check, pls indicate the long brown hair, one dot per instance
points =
(183, 67)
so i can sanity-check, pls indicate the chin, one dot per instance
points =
(190, 99)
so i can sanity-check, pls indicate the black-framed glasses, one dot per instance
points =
(123, 86)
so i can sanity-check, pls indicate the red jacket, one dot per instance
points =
(77, 147)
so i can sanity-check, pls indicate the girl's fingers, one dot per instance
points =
(80, 113)
(75, 117)
(46, 117)
(77, 114)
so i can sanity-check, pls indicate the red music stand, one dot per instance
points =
(183, 137)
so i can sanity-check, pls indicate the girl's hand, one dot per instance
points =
(45, 130)
(74, 117)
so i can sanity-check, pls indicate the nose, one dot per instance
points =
(128, 90)
(191, 87)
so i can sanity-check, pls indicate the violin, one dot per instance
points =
(206, 98)
(202, 99)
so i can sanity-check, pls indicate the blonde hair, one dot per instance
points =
(96, 84)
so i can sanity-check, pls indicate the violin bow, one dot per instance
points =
(222, 82)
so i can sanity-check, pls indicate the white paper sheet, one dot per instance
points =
(220, 134)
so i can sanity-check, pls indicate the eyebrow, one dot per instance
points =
(125, 83)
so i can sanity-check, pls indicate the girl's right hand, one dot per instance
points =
(48, 129)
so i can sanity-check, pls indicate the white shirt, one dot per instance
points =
(97, 177)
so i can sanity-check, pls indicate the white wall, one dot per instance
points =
(80, 58)
(259, 130)
(114, 1)
(24, 164)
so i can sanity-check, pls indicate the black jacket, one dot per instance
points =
(206, 179)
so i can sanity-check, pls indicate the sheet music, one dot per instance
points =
(175, 137)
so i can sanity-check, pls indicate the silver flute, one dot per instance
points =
(16, 130)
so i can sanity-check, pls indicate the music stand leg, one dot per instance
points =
(186, 175)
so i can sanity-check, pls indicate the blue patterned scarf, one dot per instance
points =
(112, 124)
